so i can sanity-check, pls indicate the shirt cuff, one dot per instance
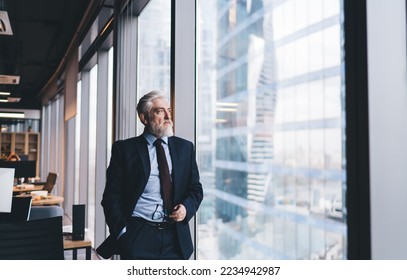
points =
(121, 233)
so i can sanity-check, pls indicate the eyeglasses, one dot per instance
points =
(159, 215)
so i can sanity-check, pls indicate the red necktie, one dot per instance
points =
(165, 178)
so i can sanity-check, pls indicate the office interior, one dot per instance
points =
(297, 109)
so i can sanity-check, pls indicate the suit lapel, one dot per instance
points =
(141, 145)
(174, 160)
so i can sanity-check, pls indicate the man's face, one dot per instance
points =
(159, 122)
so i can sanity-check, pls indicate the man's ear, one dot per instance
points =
(143, 119)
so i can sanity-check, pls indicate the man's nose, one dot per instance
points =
(167, 114)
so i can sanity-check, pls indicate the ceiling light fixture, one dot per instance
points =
(13, 99)
(5, 27)
(9, 80)
(12, 115)
(2, 26)
(4, 93)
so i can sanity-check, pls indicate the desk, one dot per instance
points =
(78, 244)
(22, 189)
(48, 201)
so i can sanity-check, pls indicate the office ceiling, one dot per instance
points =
(42, 31)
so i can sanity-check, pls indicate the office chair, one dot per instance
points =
(50, 183)
(43, 212)
(32, 240)
(20, 209)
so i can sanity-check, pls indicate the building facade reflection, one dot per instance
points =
(271, 130)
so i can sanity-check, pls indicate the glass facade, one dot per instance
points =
(154, 50)
(270, 129)
(92, 140)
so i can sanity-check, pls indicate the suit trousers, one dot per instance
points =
(144, 240)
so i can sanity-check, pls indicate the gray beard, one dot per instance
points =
(160, 131)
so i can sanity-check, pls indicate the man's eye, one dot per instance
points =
(159, 111)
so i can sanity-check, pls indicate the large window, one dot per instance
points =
(154, 47)
(144, 51)
(94, 127)
(271, 129)
(52, 141)
(154, 50)
(92, 118)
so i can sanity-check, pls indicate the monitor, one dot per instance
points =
(20, 209)
(23, 168)
(6, 189)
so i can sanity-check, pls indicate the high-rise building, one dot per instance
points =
(271, 72)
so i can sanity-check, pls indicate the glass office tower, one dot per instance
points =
(270, 129)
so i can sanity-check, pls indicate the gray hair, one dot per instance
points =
(146, 102)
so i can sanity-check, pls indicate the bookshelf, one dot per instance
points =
(25, 144)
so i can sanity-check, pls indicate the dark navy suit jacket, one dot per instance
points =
(126, 178)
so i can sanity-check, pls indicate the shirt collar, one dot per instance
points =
(151, 138)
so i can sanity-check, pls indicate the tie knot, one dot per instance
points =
(158, 142)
